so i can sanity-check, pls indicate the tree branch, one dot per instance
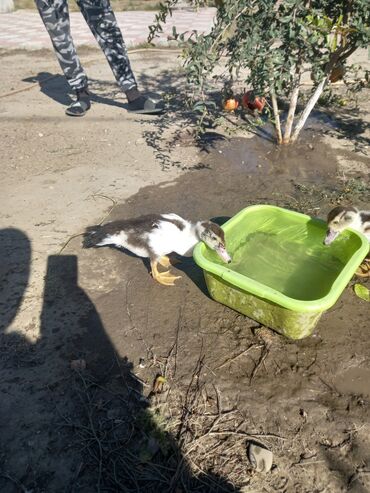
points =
(291, 112)
(228, 25)
(311, 103)
(276, 117)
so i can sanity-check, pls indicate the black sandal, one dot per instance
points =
(145, 105)
(81, 105)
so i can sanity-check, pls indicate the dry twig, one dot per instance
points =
(233, 358)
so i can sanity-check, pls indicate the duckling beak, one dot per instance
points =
(222, 253)
(330, 236)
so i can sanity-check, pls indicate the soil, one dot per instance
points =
(85, 333)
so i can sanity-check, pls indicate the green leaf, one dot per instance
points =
(362, 292)
(286, 19)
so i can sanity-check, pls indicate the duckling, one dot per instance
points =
(155, 236)
(341, 218)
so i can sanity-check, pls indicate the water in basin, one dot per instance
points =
(287, 261)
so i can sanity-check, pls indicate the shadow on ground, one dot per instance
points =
(55, 87)
(182, 121)
(65, 427)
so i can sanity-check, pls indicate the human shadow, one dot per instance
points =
(76, 417)
(55, 87)
(15, 258)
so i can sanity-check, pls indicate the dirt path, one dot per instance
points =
(228, 379)
(58, 174)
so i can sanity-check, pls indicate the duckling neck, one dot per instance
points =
(191, 237)
(198, 229)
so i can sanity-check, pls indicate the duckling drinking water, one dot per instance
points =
(341, 218)
(155, 236)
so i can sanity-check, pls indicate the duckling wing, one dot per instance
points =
(131, 234)
(173, 234)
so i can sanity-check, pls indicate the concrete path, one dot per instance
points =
(24, 29)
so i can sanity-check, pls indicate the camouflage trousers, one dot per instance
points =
(103, 24)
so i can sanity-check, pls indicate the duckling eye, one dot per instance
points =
(335, 222)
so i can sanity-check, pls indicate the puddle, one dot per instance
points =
(237, 173)
(354, 381)
(257, 156)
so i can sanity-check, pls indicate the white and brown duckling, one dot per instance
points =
(155, 236)
(341, 218)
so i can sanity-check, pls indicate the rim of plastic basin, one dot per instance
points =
(262, 291)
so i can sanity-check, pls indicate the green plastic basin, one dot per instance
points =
(281, 275)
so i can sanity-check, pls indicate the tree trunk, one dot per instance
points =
(291, 113)
(277, 118)
(311, 103)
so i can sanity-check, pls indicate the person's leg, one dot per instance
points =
(100, 18)
(55, 16)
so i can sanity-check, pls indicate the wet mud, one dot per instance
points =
(281, 387)
(307, 401)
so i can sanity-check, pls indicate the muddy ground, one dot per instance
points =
(229, 381)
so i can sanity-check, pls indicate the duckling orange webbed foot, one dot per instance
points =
(166, 262)
(165, 278)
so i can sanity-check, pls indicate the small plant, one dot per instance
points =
(277, 41)
(362, 292)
